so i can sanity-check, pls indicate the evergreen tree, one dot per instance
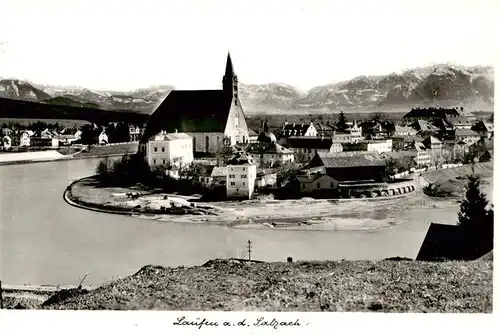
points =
(476, 222)
(341, 122)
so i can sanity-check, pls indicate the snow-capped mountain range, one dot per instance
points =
(442, 84)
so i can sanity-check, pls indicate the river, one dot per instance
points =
(45, 241)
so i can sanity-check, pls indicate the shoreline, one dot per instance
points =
(296, 214)
(49, 160)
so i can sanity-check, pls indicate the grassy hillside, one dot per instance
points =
(236, 285)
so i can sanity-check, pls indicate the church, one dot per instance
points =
(214, 118)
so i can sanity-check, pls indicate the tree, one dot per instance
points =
(390, 168)
(341, 122)
(90, 135)
(285, 173)
(475, 220)
(223, 155)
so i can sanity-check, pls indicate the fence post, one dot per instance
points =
(1, 296)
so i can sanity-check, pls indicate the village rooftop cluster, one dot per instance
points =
(346, 158)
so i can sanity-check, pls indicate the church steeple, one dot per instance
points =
(230, 80)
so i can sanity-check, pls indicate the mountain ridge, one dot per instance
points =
(439, 84)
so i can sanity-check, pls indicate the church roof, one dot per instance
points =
(190, 111)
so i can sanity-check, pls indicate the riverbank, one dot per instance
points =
(303, 214)
(342, 286)
(111, 150)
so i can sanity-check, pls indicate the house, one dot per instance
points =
(379, 146)
(402, 131)
(6, 142)
(174, 149)
(423, 155)
(355, 131)
(325, 129)
(215, 176)
(454, 242)
(311, 183)
(483, 128)
(376, 129)
(252, 136)
(267, 152)
(293, 129)
(369, 145)
(305, 148)
(66, 139)
(433, 143)
(351, 166)
(266, 178)
(462, 122)
(468, 136)
(25, 139)
(342, 137)
(430, 113)
(214, 118)
(425, 128)
(241, 175)
(135, 133)
(103, 138)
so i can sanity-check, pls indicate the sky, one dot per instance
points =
(128, 44)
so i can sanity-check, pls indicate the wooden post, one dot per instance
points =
(249, 249)
(1, 297)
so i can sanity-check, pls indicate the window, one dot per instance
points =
(163, 161)
(243, 176)
(163, 149)
(317, 185)
(331, 185)
(303, 186)
(243, 183)
(154, 160)
(233, 183)
(156, 149)
(232, 176)
(243, 168)
(232, 169)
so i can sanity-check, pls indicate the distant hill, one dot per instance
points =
(436, 85)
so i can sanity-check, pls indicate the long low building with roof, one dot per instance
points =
(351, 166)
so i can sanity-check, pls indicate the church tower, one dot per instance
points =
(230, 80)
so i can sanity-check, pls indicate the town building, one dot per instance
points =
(266, 152)
(214, 118)
(135, 133)
(468, 136)
(266, 178)
(25, 138)
(303, 129)
(325, 129)
(355, 131)
(241, 175)
(430, 113)
(423, 158)
(6, 142)
(305, 147)
(103, 138)
(215, 176)
(403, 131)
(314, 183)
(483, 128)
(252, 136)
(380, 145)
(369, 145)
(347, 166)
(175, 149)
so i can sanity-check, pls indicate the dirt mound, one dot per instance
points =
(487, 257)
(218, 262)
(64, 295)
(397, 258)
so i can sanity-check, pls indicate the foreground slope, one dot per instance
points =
(235, 285)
